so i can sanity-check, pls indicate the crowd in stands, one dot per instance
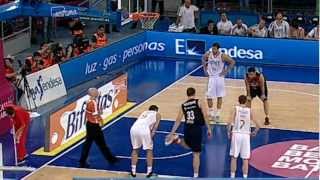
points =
(278, 28)
(54, 53)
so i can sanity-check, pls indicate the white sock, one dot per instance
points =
(133, 169)
(195, 175)
(233, 175)
(149, 169)
(245, 175)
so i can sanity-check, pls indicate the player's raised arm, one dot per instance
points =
(156, 125)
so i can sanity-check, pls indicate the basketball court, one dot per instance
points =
(288, 148)
(293, 113)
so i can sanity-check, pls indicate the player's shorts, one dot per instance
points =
(193, 137)
(240, 144)
(216, 87)
(257, 92)
(141, 136)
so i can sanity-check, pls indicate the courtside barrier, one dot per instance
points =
(45, 86)
(67, 125)
(244, 49)
(103, 60)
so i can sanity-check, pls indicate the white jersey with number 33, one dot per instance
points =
(215, 64)
(242, 120)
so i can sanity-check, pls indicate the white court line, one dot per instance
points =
(112, 122)
(242, 87)
(115, 172)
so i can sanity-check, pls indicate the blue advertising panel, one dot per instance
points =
(104, 60)
(243, 49)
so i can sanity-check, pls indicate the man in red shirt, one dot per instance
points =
(21, 120)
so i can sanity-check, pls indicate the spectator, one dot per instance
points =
(279, 28)
(99, 39)
(211, 28)
(10, 73)
(47, 57)
(224, 25)
(296, 31)
(314, 33)
(86, 46)
(77, 29)
(186, 16)
(239, 29)
(259, 30)
(59, 55)
(34, 63)
(161, 6)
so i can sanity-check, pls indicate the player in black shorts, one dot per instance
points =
(256, 85)
(195, 113)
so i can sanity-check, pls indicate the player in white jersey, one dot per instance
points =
(239, 130)
(214, 67)
(141, 133)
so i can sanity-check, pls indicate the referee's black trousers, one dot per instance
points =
(94, 133)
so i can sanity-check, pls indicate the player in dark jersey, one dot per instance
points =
(256, 85)
(195, 113)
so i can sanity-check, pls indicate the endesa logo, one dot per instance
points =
(190, 47)
(42, 86)
(236, 52)
(69, 122)
(197, 48)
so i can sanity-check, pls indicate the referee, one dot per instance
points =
(94, 132)
(195, 113)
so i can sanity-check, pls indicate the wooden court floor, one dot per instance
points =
(293, 106)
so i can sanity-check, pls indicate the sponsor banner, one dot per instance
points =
(69, 122)
(104, 60)
(45, 86)
(64, 11)
(292, 159)
(253, 50)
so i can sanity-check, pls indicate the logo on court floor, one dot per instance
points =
(299, 159)
(190, 47)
